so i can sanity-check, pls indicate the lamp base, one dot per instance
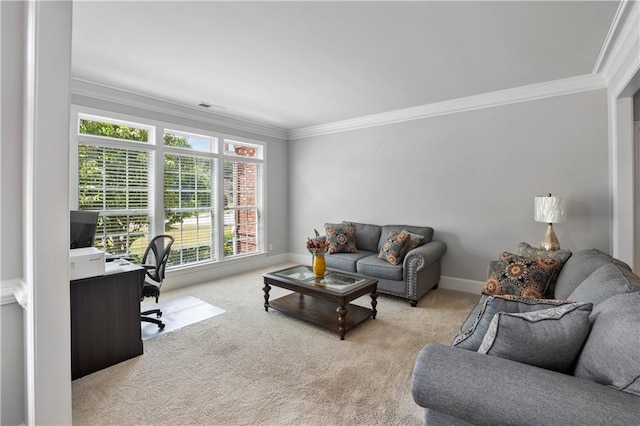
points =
(550, 241)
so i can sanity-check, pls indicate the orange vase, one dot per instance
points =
(319, 265)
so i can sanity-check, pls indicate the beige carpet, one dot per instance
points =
(252, 367)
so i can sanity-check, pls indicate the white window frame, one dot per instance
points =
(157, 149)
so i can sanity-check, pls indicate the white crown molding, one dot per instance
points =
(624, 60)
(106, 93)
(609, 41)
(620, 39)
(531, 92)
(12, 291)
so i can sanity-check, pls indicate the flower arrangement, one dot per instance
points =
(318, 245)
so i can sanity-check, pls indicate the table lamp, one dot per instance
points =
(550, 209)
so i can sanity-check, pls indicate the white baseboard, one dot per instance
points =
(303, 259)
(461, 284)
(178, 278)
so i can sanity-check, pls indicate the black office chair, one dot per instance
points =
(154, 261)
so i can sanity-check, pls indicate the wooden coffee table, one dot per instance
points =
(322, 301)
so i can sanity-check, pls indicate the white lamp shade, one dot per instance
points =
(550, 209)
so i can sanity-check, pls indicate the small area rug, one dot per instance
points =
(178, 313)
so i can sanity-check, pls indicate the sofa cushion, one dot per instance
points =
(606, 281)
(394, 249)
(367, 236)
(471, 337)
(611, 355)
(341, 238)
(548, 338)
(579, 266)
(379, 268)
(521, 276)
(346, 261)
(425, 231)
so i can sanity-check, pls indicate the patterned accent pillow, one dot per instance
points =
(522, 276)
(526, 250)
(562, 255)
(414, 240)
(341, 237)
(395, 247)
(550, 338)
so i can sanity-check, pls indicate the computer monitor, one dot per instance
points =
(83, 228)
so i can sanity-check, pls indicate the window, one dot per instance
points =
(146, 179)
(189, 197)
(242, 198)
(114, 179)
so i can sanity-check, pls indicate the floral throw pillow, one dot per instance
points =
(522, 276)
(341, 237)
(394, 248)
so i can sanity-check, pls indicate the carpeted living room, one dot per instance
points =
(430, 132)
(248, 366)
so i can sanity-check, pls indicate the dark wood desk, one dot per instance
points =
(105, 319)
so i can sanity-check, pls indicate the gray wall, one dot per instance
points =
(472, 176)
(12, 354)
(12, 405)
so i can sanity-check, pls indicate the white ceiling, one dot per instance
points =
(293, 65)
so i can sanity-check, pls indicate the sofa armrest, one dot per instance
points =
(421, 269)
(483, 389)
(424, 255)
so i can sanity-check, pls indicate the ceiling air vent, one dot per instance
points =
(208, 105)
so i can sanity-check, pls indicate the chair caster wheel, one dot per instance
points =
(159, 315)
(161, 326)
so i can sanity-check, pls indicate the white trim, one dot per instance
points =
(622, 36)
(531, 92)
(106, 93)
(611, 39)
(45, 174)
(21, 294)
(27, 185)
(8, 289)
(622, 64)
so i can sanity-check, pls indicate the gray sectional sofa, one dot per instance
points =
(418, 273)
(459, 386)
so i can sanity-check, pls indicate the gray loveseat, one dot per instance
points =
(418, 272)
(459, 386)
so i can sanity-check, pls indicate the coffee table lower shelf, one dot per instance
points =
(320, 312)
